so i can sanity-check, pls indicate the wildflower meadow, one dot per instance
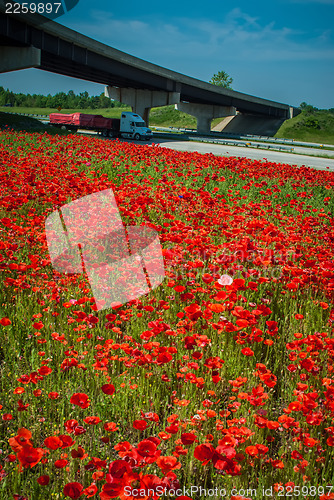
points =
(217, 384)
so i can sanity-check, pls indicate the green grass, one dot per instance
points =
(17, 122)
(168, 116)
(317, 126)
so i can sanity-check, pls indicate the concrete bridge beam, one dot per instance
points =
(205, 113)
(14, 58)
(140, 100)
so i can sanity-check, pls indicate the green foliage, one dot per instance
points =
(61, 99)
(168, 116)
(222, 79)
(307, 108)
(311, 125)
(311, 122)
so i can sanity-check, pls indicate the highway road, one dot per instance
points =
(253, 154)
(241, 152)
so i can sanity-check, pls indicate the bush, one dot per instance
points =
(312, 123)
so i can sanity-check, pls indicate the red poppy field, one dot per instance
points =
(220, 382)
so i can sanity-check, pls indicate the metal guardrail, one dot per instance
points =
(247, 137)
(228, 142)
(243, 144)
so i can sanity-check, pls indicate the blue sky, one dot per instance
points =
(281, 50)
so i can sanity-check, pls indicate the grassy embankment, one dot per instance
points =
(317, 126)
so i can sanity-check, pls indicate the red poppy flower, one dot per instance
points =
(73, 490)
(110, 426)
(80, 399)
(113, 489)
(43, 480)
(79, 453)
(5, 322)
(139, 425)
(53, 395)
(60, 464)
(204, 452)
(79, 430)
(44, 370)
(146, 448)
(92, 420)
(117, 469)
(252, 451)
(188, 438)
(38, 326)
(147, 451)
(66, 440)
(108, 389)
(70, 425)
(29, 456)
(7, 416)
(246, 351)
(22, 439)
(166, 464)
(153, 417)
(53, 442)
(90, 491)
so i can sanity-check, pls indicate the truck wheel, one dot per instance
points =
(137, 137)
(105, 133)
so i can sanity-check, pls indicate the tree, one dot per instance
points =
(222, 79)
(307, 108)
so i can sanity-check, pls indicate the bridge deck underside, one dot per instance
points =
(61, 56)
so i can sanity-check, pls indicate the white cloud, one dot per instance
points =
(260, 56)
(238, 36)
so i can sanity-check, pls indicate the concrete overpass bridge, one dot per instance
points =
(29, 41)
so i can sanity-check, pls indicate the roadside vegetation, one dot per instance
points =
(18, 122)
(311, 125)
(221, 377)
(165, 116)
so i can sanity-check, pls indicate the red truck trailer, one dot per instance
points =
(130, 125)
(84, 121)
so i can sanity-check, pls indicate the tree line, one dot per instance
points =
(85, 101)
(61, 99)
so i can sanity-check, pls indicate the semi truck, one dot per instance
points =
(129, 126)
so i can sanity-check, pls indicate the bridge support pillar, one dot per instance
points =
(140, 100)
(14, 58)
(205, 113)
